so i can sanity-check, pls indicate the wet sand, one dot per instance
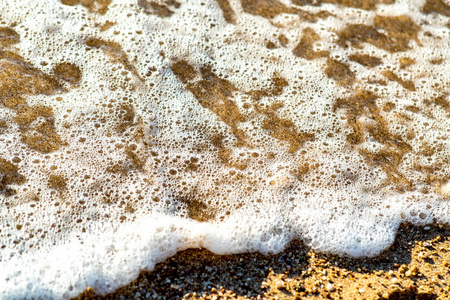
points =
(416, 266)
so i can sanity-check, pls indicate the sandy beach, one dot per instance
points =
(416, 266)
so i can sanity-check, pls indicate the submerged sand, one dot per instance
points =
(416, 266)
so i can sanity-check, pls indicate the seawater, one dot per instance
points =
(131, 130)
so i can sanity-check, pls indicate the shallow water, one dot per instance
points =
(135, 129)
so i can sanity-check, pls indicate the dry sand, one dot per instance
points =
(416, 266)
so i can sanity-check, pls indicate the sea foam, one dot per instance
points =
(131, 130)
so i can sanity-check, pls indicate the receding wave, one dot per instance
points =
(131, 130)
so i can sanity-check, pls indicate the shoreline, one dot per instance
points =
(127, 125)
(416, 266)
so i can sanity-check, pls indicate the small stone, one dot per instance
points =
(280, 284)
(330, 287)
(412, 272)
